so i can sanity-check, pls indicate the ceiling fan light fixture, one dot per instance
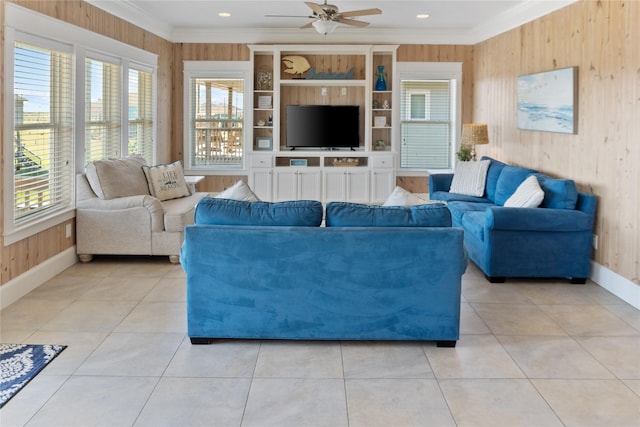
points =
(324, 26)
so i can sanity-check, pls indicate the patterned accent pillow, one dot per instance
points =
(239, 191)
(527, 195)
(469, 178)
(166, 181)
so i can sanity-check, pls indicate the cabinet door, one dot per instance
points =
(286, 185)
(357, 186)
(334, 185)
(382, 184)
(309, 185)
(262, 183)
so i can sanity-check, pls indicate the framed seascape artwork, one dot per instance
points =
(548, 101)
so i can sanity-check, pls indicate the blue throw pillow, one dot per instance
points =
(558, 193)
(345, 214)
(508, 182)
(215, 211)
(495, 168)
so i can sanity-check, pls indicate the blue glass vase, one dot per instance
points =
(381, 84)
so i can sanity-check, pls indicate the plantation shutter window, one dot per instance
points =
(426, 123)
(103, 106)
(43, 130)
(140, 114)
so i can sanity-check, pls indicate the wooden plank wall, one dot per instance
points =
(602, 38)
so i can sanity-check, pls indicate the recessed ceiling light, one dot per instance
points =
(422, 16)
(224, 14)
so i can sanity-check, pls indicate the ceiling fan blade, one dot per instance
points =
(309, 25)
(363, 12)
(289, 16)
(317, 9)
(351, 22)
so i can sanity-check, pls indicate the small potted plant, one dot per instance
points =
(464, 153)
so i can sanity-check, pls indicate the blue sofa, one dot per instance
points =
(551, 241)
(292, 279)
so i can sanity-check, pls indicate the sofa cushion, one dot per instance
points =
(469, 178)
(459, 208)
(217, 211)
(166, 181)
(239, 191)
(401, 197)
(527, 195)
(495, 168)
(508, 181)
(178, 213)
(113, 178)
(445, 196)
(473, 223)
(558, 193)
(345, 214)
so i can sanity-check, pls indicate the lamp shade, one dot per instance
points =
(474, 134)
(324, 26)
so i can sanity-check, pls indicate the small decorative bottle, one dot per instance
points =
(381, 84)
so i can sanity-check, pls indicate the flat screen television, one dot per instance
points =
(323, 126)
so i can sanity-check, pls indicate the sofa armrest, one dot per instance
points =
(141, 201)
(440, 182)
(537, 219)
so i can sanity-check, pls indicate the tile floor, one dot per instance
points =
(532, 353)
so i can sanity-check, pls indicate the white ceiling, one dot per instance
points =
(450, 21)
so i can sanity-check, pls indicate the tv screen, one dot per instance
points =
(323, 126)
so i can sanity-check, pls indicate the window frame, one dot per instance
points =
(217, 70)
(25, 25)
(451, 71)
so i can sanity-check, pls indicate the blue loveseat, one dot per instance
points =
(550, 241)
(269, 271)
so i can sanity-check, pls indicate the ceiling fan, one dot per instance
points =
(326, 17)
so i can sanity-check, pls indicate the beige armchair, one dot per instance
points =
(116, 214)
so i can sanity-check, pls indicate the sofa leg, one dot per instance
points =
(495, 279)
(174, 259)
(200, 341)
(84, 258)
(446, 344)
(577, 280)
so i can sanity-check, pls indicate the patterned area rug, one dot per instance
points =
(20, 363)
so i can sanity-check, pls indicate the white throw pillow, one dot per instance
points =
(239, 191)
(401, 197)
(527, 195)
(469, 178)
(166, 181)
(114, 178)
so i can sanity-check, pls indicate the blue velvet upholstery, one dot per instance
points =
(353, 283)
(214, 211)
(345, 214)
(553, 240)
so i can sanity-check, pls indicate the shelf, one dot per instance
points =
(262, 127)
(305, 82)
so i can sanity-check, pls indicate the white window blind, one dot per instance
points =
(141, 114)
(43, 131)
(102, 110)
(217, 120)
(426, 123)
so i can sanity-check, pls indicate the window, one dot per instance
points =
(141, 114)
(429, 107)
(42, 131)
(102, 110)
(215, 106)
(66, 103)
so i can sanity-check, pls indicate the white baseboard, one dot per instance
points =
(16, 288)
(620, 286)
